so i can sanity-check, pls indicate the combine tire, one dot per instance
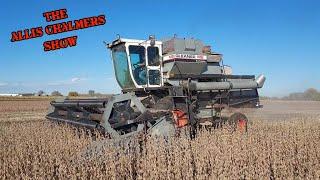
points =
(238, 122)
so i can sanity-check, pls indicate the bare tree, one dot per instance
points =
(40, 93)
(56, 93)
(73, 93)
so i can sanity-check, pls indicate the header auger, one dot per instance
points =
(166, 85)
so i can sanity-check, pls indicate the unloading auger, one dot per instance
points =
(166, 85)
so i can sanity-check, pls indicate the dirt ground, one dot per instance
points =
(23, 111)
(291, 107)
(281, 110)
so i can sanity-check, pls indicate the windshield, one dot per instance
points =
(121, 67)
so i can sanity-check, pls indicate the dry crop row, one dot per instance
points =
(270, 150)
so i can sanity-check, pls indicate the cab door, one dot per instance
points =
(154, 57)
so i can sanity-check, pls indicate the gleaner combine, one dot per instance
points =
(166, 85)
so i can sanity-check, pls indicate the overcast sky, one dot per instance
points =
(277, 38)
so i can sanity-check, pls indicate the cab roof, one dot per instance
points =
(124, 40)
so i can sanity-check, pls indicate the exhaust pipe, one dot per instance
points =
(260, 80)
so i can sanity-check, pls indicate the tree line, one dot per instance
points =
(75, 93)
(310, 94)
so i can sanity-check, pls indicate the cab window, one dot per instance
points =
(153, 56)
(154, 77)
(138, 64)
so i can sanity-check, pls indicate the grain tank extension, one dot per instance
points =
(166, 85)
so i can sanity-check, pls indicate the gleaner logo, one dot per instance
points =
(58, 28)
(184, 56)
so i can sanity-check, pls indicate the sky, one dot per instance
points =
(277, 38)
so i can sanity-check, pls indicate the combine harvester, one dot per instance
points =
(166, 85)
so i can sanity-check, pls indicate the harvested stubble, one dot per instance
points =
(279, 149)
(23, 105)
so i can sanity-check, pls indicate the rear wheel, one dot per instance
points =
(238, 122)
